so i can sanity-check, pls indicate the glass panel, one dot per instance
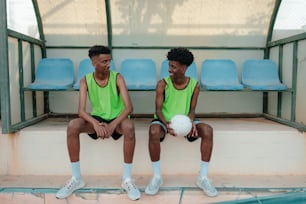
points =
(21, 17)
(74, 22)
(191, 22)
(291, 19)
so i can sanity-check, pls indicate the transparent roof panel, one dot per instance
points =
(202, 22)
(291, 19)
(158, 23)
(21, 17)
(75, 22)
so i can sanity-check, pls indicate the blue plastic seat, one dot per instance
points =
(139, 74)
(261, 75)
(53, 74)
(190, 72)
(86, 67)
(219, 74)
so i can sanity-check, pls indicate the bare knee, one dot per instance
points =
(205, 131)
(128, 129)
(74, 128)
(155, 133)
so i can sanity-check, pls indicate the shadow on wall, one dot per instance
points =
(157, 23)
(145, 11)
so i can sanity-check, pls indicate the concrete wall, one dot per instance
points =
(241, 147)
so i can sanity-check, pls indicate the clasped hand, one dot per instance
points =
(103, 130)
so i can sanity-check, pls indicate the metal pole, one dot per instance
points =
(4, 71)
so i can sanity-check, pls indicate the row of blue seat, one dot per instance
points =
(141, 74)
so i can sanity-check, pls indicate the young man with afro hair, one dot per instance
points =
(178, 94)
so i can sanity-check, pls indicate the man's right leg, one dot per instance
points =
(75, 127)
(156, 131)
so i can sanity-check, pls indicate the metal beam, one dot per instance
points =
(294, 81)
(280, 71)
(21, 92)
(40, 27)
(271, 26)
(109, 25)
(4, 71)
(288, 40)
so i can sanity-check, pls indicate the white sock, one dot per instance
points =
(127, 171)
(156, 169)
(76, 170)
(203, 169)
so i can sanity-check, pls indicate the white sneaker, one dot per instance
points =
(131, 189)
(207, 187)
(154, 186)
(70, 186)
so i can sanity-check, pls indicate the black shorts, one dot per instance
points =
(164, 127)
(115, 134)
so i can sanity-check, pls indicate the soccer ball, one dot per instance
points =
(181, 124)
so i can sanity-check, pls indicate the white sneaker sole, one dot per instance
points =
(132, 198)
(81, 185)
(207, 193)
(148, 192)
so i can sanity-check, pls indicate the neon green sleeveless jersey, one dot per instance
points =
(177, 101)
(105, 101)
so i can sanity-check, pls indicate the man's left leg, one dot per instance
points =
(128, 130)
(205, 132)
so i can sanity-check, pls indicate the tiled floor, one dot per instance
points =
(232, 189)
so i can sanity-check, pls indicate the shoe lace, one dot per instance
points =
(130, 186)
(68, 185)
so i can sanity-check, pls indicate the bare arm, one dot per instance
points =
(193, 105)
(194, 101)
(159, 100)
(98, 127)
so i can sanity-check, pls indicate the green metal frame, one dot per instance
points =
(280, 44)
(7, 126)
(21, 93)
(109, 25)
(161, 47)
(4, 71)
(32, 41)
(294, 80)
(267, 51)
(40, 28)
(279, 95)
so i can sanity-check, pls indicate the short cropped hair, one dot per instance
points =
(97, 50)
(181, 55)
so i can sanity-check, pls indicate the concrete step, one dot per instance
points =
(176, 190)
(247, 146)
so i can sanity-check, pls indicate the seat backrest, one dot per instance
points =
(190, 72)
(85, 67)
(54, 73)
(220, 74)
(139, 74)
(260, 72)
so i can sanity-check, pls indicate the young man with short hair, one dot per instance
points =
(111, 106)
